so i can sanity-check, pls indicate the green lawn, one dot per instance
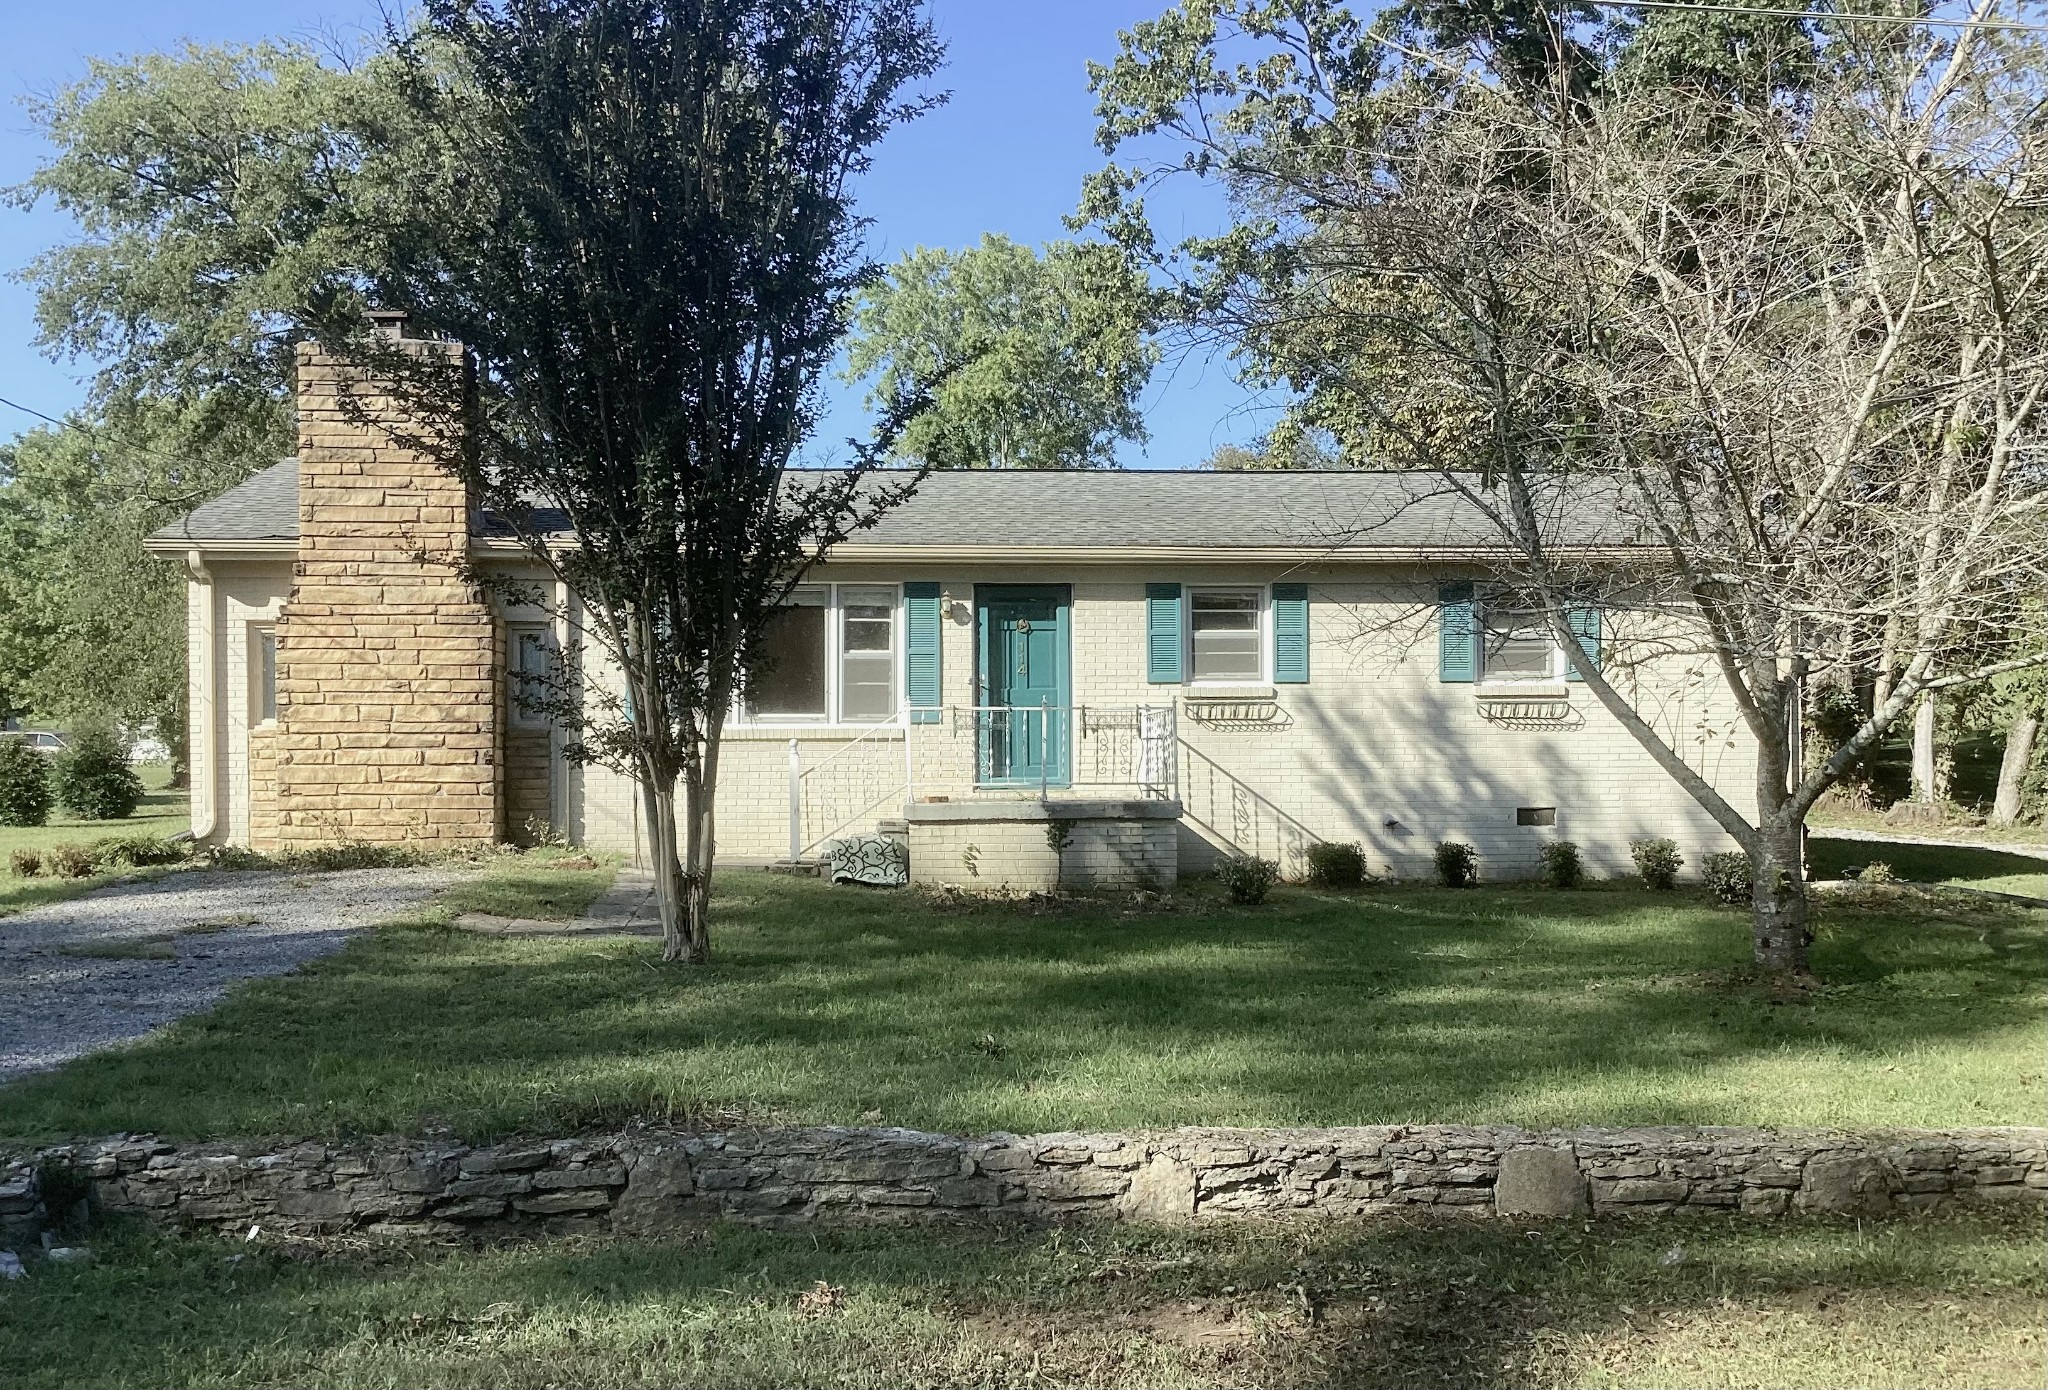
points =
(162, 812)
(1953, 1301)
(1394, 1005)
(1969, 868)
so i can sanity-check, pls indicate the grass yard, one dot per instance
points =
(162, 812)
(1953, 1301)
(1398, 1005)
(1955, 864)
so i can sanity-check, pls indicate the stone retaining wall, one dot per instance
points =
(649, 1181)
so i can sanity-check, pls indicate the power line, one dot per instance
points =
(29, 410)
(1925, 21)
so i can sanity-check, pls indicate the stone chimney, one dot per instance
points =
(387, 659)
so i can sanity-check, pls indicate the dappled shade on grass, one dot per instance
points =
(1952, 1300)
(1398, 1005)
(1996, 870)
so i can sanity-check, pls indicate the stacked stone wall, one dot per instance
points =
(387, 669)
(647, 1182)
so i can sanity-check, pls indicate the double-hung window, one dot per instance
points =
(1225, 642)
(830, 655)
(1515, 641)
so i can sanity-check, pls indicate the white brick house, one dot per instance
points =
(1181, 663)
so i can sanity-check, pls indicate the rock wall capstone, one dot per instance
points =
(654, 1181)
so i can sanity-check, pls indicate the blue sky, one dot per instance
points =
(1007, 154)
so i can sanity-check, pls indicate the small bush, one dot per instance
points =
(1728, 876)
(25, 797)
(1658, 861)
(1877, 871)
(1457, 866)
(1562, 867)
(136, 851)
(350, 854)
(1246, 879)
(25, 863)
(1336, 865)
(69, 861)
(92, 778)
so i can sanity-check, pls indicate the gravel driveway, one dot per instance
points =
(98, 970)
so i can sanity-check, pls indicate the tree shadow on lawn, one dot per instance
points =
(1419, 1301)
(822, 1005)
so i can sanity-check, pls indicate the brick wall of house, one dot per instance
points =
(1374, 748)
(388, 661)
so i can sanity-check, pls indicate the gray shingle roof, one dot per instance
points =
(1106, 510)
(265, 508)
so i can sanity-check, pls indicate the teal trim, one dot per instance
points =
(1290, 634)
(1584, 621)
(1457, 628)
(922, 625)
(1163, 640)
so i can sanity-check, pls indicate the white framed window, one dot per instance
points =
(1515, 642)
(529, 661)
(262, 673)
(1226, 636)
(832, 654)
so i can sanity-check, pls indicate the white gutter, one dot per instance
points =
(202, 721)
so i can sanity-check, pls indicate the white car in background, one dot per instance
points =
(42, 740)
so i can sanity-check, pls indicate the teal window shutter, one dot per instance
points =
(1584, 621)
(921, 651)
(1162, 634)
(1290, 634)
(1457, 627)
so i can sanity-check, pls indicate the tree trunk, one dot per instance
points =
(2012, 769)
(1926, 776)
(670, 886)
(1778, 899)
(692, 942)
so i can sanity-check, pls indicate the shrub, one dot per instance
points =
(93, 780)
(24, 784)
(1562, 867)
(1658, 861)
(1457, 866)
(69, 861)
(350, 854)
(1336, 865)
(136, 851)
(25, 863)
(1877, 871)
(1246, 879)
(1728, 876)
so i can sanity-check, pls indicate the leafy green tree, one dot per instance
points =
(637, 216)
(1032, 360)
(219, 191)
(90, 623)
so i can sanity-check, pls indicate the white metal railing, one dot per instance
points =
(849, 783)
(1046, 747)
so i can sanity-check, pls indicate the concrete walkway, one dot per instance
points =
(625, 909)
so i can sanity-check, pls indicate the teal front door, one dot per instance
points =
(1026, 686)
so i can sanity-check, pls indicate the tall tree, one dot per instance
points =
(1032, 360)
(216, 191)
(90, 624)
(1798, 335)
(636, 215)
